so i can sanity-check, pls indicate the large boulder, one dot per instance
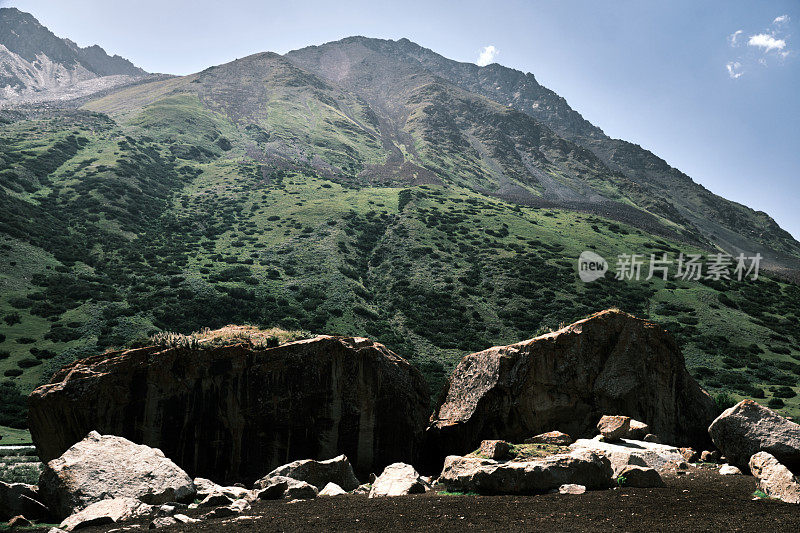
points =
(748, 428)
(398, 479)
(22, 499)
(105, 466)
(610, 362)
(318, 473)
(485, 476)
(232, 413)
(624, 453)
(775, 479)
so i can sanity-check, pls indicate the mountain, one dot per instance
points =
(649, 182)
(35, 65)
(363, 187)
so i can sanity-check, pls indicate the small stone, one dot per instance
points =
(495, 449)
(641, 477)
(729, 470)
(710, 456)
(570, 488)
(216, 499)
(689, 455)
(183, 519)
(652, 438)
(614, 427)
(556, 438)
(19, 521)
(164, 521)
(332, 489)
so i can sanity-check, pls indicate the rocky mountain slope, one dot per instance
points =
(350, 189)
(36, 65)
(649, 182)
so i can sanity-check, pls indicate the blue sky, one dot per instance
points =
(674, 77)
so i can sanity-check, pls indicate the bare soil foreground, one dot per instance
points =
(699, 501)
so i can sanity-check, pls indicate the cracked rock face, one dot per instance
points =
(234, 413)
(566, 381)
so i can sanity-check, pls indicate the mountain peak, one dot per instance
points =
(41, 65)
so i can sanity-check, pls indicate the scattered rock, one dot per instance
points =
(710, 456)
(19, 521)
(642, 477)
(21, 499)
(317, 473)
(495, 449)
(327, 395)
(205, 487)
(633, 452)
(638, 430)
(556, 438)
(300, 490)
(164, 521)
(363, 489)
(108, 511)
(332, 489)
(774, 479)
(613, 428)
(689, 455)
(183, 519)
(570, 488)
(216, 499)
(277, 487)
(106, 466)
(566, 380)
(748, 428)
(652, 438)
(729, 470)
(473, 474)
(398, 479)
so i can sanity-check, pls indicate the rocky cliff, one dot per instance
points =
(234, 413)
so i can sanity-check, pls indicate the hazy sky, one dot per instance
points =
(713, 87)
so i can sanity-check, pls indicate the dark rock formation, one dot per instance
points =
(610, 362)
(235, 413)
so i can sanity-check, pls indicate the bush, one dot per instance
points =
(724, 401)
(12, 372)
(28, 362)
(775, 403)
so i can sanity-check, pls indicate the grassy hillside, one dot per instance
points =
(190, 205)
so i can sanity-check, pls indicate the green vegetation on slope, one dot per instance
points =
(115, 229)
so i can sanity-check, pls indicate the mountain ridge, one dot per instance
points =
(36, 65)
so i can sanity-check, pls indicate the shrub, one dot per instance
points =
(724, 401)
(775, 403)
(12, 372)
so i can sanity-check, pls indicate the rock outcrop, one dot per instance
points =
(774, 478)
(105, 466)
(748, 428)
(485, 476)
(610, 362)
(233, 413)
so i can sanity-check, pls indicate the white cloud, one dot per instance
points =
(734, 69)
(783, 19)
(487, 55)
(734, 36)
(767, 42)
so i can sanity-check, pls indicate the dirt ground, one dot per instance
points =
(699, 501)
